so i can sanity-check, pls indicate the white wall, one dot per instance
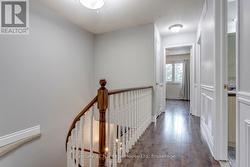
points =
(173, 91)
(179, 39)
(243, 89)
(207, 63)
(125, 58)
(46, 79)
(177, 58)
(213, 56)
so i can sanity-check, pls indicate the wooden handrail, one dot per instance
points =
(78, 118)
(112, 92)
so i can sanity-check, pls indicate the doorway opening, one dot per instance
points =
(231, 71)
(178, 72)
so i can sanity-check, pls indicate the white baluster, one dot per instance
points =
(119, 128)
(137, 115)
(76, 145)
(149, 106)
(91, 137)
(129, 121)
(71, 150)
(115, 140)
(109, 137)
(146, 109)
(134, 117)
(73, 146)
(82, 141)
(126, 122)
(69, 154)
(143, 111)
(123, 125)
(140, 112)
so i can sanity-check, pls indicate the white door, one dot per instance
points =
(243, 89)
(159, 88)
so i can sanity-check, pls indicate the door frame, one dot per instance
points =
(237, 38)
(221, 81)
(192, 55)
(198, 72)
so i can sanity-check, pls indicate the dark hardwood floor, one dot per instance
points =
(174, 141)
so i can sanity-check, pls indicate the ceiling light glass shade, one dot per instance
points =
(92, 4)
(176, 28)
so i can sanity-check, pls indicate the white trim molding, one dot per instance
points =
(247, 126)
(208, 88)
(16, 139)
(243, 129)
(206, 134)
(243, 95)
(207, 103)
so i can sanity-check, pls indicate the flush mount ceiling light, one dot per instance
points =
(176, 28)
(92, 4)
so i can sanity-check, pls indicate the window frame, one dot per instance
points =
(174, 82)
(172, 73)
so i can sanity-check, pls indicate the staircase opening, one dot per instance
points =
(107, 128)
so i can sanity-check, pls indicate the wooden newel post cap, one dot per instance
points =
(102, 99)
(103, 82)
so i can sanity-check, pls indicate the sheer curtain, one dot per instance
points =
(185, 90)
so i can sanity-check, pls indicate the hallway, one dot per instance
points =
(174, 141)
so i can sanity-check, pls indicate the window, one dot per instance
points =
(169, 68)
(174, 72)
(178, 72)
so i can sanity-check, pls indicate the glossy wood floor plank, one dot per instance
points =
(174, 141)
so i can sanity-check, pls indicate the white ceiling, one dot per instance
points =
(118, 14)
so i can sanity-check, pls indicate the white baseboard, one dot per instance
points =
(154, 117)
(207, 136)
(224, 164)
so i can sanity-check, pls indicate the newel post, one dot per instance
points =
(102, 104)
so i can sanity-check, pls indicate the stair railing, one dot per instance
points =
(111, 123)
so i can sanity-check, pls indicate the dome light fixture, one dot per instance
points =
(176, 28)
(92, 4)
